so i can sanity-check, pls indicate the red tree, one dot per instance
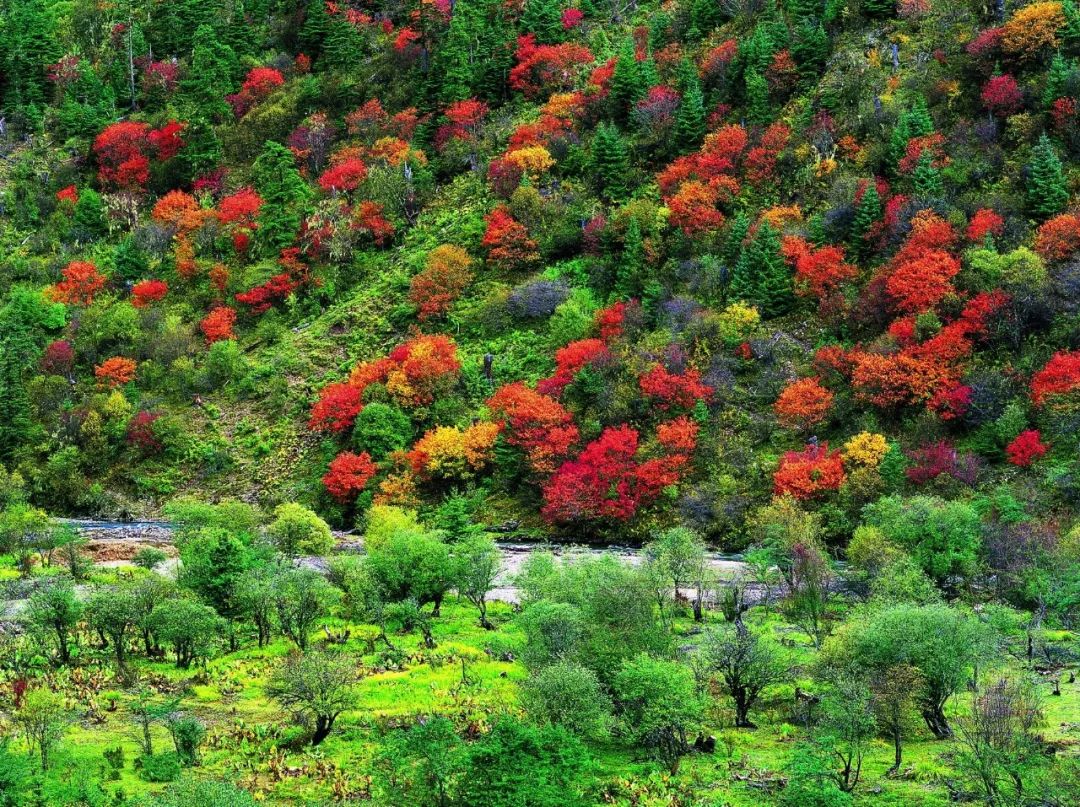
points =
(217, 326)
(569, 361)
(1026, 448)
(535, 423)
(809, 473)
(673, 389)
(336, 409)
(82, 281)
(348, 475)
(115, 372)
(803, 403)
(507, 241)
(120, 151)
(444, 278)
(1060, 376)
(148, 292)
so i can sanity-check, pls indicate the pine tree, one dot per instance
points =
(898, 141)
(314, 31)
(920, 124)
(757, 98)
(631, 267)
(30, 43)
(705, 15)
(774, 290)
(284, 194)
(611, 161)
(736, 235)
(543, 18)
(15, 417)
(659, 30)
(454, 58)
(344, 46)
(202, 151)
(1056, 78)
(743, 285)
(810, 49)
(650, 75)
(1047, 193)
(210, 78)
(928, 183)
(627, 85)
(1070, 34)
(690, 121)
(88, 218)
(867, 213)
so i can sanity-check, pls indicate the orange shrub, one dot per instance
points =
(115, 372)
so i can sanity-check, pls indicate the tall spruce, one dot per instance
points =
(627, 84)
(1047, 193)
(690, 120)
(284, 195)
(611, 161)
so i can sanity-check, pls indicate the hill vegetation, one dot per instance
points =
(796, 280)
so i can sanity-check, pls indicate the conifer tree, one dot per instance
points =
(202, 148)
(344, 46)
(774, 291)
(611, 161)
(631, 263)
(920, 123)
(898, 141)
(314, 31)
(757, 98)
(15, 413)
(30, 43)
(867, 213)
(1047, 193)
(284, 194)
(1056, 78)
(690, 120)
(543, 18)
(1070, 34)
(705, 15)
(88, 218)
(627, 84)
(733, 243)
(810, 49)
(650, 75)
(210, 78)
(928, 183)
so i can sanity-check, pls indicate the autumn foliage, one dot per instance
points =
(442, 281)
(348, 475)
(148, 292)
(803, 403)
(81, 283)
(218, 324)
(1026, 448)
(809, 473)
(115, 372)
(1060, 377)
(535, 423)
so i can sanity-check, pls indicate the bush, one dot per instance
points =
(296, 530)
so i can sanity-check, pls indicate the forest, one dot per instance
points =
(539, 403)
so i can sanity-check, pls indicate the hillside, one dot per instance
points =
(793, 279)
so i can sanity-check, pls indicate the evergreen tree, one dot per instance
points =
(627, 84)
(30, 43)
(757, 98)
(1047, 193)
(210, 78)
(650, 75)
(202, 151)
(611, 161)
(898, 141)
(736, 235)
(774, 290)
(920, 124)
(454, 57)
(743, 285)
(88, 218)
(659, 30)
(344, 46)
(690, 119)
(1070, 34)
(810, 49)
(927, 178)
(705, 15)
(631, 264)
(867, 213)
(315, 30)
(130, 261)
(15, 413)
(284, 195)
(543, 18)
(1056, 78)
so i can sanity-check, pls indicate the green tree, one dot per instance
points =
(761, 277)
(412, 565)
(1047, 192)
(627, 84)
(210, 77)
(927, 178)
(56, 609)
(88, 220)
(301, 598)
(317, 687)
(758, 109)
(477, 562)
(285, 196)
(189, 626)
(30, 44)
(420, 766)
(610, 161)
(112, 613)
(631, 264)
(516, 764)
(567, 694)
(680, 556)
(212, 563)
(296, 530)
(43, 721)
(745, 663)
(690, 118)
(895, 696)
(381, 429)
(847, 724)
(944, 644)
(659, 705)
(543, 18)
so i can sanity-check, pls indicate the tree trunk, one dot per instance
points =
(485, 623)
(936, 722)
(742, 712)
(323, 724)
(898, 750)
(65, 654)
